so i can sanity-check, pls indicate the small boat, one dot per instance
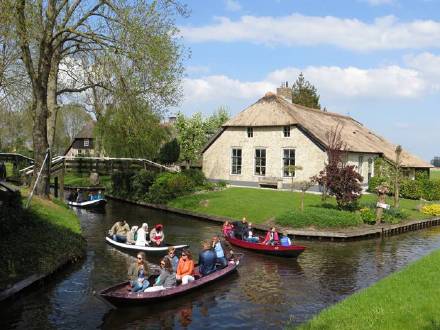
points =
(132, 247)
(120, 294)
(96, 203)
(292, 251)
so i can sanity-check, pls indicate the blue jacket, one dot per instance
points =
(207, 262)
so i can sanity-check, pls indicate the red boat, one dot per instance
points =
(292, 251)
(120, 294)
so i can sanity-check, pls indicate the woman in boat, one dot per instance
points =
(166, 278)
(285, 240)
(138, 274)
(223, 251)
(142, 235)
(119, 231)
(227, 229)
(157, 235)
(207, 259)
(173, 258)
(271, 237)
(131, 235)
(185, 267)
(249, 234)
(240, 228)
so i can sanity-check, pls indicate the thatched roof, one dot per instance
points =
(87, 131)
(273, 110)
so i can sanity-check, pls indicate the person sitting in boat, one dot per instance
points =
(207, 259)
(131, 236)
(227, 229)
(119, 231)
(166, 278)
(157, 235)
(173, 258)
(72, 196)
(285, 240)
(271, 237)
(223, 251)
(249, 234)
(79, 196)
(138, 274)
(185, 267)
(240, 228)
(142, 235)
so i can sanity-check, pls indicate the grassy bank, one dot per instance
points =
(435, 174)
(408, 299)
(37, 240)
(261, 205)
(74, 179)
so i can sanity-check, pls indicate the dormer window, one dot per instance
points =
(286, 131)
(250, 132)
(86, 142)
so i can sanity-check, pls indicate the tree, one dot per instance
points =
(341, 180)
(169, 153)
(303, 186)
(129, 35)
(436, 161)
(304, 93)
(397, 175)
(291, 169)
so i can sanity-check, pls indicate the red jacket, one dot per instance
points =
(275, 237)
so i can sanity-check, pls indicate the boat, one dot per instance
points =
(96, 203)
(132, 247)
(292, 251)
(120, 294)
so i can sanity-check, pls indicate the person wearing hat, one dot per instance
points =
(142, 235)
(157, 236)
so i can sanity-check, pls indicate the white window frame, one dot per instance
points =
(255, 161)
(250, 132)
(282, 162)
(286, 129)
(86, 142)
(232, 160)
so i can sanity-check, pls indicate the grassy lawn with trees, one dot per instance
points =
(74, 179)
(435, 174)
(37, 240)
(261, 205)
(408, 299)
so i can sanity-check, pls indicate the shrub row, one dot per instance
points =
(422, 187)
(433, 209)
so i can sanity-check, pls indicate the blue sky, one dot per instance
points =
(376, 60)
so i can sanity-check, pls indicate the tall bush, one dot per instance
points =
(170, 185)
(141, 183)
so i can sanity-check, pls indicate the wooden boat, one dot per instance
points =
(144, 248)
(97, 203)
(292, 251)
(120, 294)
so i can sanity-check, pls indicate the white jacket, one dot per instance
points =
(142, 237)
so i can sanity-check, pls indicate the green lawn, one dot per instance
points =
(82, 179)
(37, 240)
(260, 205)
(408, 299)
(435, 174)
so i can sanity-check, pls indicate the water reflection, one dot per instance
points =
(266, 292)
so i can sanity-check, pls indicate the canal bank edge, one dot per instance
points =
(407, 299)
(73, 250)
(345, 235)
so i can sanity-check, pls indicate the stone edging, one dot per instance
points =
(355, 234)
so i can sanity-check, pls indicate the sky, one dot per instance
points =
(375, 60)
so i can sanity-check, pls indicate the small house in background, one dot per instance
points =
(256, 147)
(84, 143)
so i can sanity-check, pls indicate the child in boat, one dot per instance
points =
(227, 229)
(138, 274)
(249, 234)
(142, 235)
(185, 267)
(157, 235)
(166, 279)
(285, 240)
(173, 258)
(131, 235)
(271, 237)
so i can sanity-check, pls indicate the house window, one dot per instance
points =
(260, 161)
(288, 160)
(361, 164)
(236, 161)
(86, 142)
(286, 131)
(250, 132)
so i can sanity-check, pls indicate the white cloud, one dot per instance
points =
(299, 30)
(335, 84)
(233, 5)
(197, 69)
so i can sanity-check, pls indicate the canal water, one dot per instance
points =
(267, 292)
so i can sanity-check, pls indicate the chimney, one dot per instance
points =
(285, 91)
